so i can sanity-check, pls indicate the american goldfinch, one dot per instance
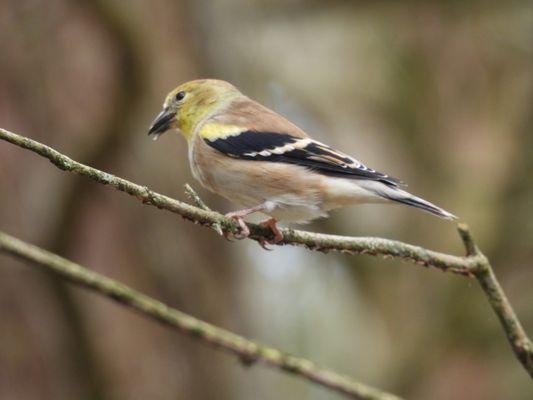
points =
(259, 160)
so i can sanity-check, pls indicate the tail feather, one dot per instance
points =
(401, 196)
(424, 205)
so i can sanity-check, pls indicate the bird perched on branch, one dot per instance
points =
(257, 159)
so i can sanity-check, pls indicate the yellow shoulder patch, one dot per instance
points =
(213, 131)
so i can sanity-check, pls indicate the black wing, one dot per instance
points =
(280, 147)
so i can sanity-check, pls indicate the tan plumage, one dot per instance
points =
(258, 159)
(289, 192)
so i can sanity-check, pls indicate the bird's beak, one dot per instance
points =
(161, 123)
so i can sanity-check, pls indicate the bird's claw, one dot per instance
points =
(278, 236)
(264, 244)
(228, 236)
(272, 224)
(245, 231)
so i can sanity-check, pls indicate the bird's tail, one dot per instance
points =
(401, 196)
(422, 204)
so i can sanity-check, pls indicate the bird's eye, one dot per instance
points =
(180, 96)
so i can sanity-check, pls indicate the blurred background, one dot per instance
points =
(437, 94)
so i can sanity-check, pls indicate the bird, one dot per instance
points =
(262, 162)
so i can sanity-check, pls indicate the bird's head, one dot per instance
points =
(190, 104)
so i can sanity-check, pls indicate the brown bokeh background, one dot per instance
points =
(438, 95)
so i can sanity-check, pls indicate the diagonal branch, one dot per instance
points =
(474, 264)
(248, 352)
(483, 272)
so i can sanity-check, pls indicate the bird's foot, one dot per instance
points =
(278, 236)
(272, 224)
(245, 231)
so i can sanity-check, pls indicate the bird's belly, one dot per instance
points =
(287, 205)
(296, 213)
(289, 193)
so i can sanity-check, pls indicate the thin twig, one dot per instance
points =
(198, 202)
(474, 264)
(247, 351)
(483, 272)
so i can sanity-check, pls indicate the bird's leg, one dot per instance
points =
(239, 217)
(272, 224)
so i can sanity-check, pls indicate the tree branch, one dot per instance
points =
(474, 264)
(248, 352)
(483, 272)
